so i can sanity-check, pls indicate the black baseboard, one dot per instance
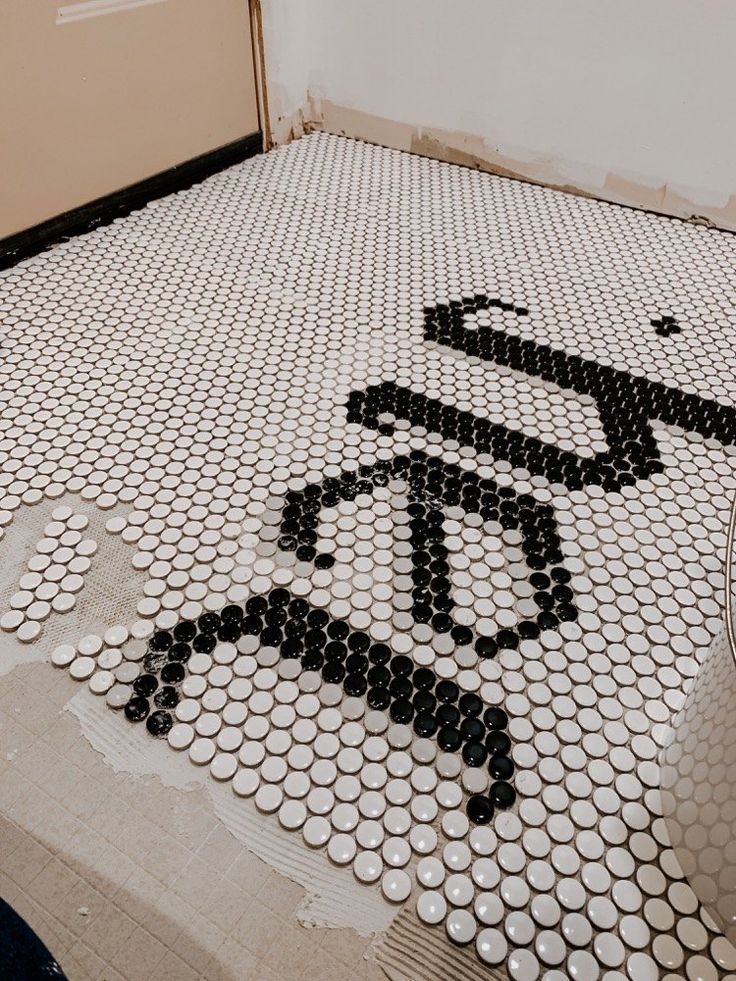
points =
(102, 211)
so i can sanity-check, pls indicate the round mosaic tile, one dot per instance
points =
(426, 473)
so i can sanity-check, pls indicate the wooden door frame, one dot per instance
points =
(259, 66)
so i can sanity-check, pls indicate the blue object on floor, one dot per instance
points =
(22, 955)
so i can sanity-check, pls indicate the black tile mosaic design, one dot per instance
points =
(427, 473)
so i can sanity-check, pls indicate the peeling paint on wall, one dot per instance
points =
(699, 206)
(618, 100)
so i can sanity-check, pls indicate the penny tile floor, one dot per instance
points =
(425, 475)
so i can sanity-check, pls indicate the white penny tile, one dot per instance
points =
(426, 475)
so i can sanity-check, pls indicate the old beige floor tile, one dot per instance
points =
(196, 883)
(51, 887)
(26, 862)
(173, 968)
(249, 872)
(83, 903)
(226, 904)
(281, 895)
(143, 953)
(109, 930)
(346, 946)
(82, 964)
(293, 946)
(164, 856)
(257, 928)
(220, 849)
(198, 941)
(233, 962)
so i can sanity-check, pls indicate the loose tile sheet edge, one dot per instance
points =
(425, 473)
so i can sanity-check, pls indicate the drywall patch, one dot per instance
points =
(327, 116)
(333, 897)
(285, 129)
(633, 190)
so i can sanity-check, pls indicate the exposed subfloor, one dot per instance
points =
(374, 509)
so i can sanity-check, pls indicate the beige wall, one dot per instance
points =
(93, 105)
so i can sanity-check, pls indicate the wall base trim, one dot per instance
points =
(102, 211)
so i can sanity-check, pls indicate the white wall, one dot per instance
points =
(629, 99)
